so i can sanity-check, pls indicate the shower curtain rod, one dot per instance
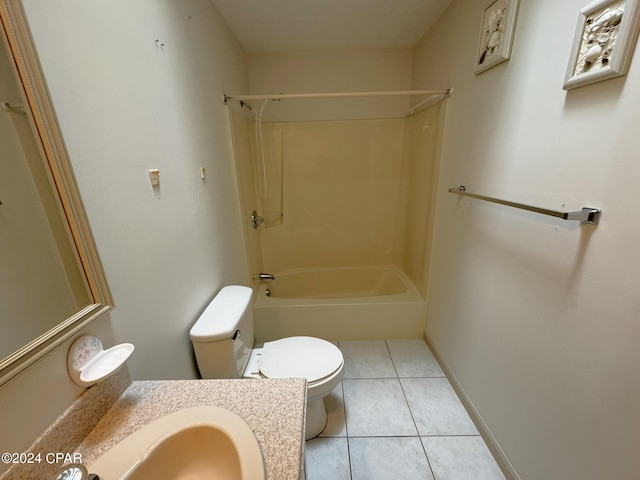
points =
(284, 96)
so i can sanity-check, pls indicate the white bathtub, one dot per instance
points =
(356, 303)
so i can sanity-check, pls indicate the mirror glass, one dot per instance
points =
(41, 279)
(51, 283)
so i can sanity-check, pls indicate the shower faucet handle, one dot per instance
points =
(256, 220)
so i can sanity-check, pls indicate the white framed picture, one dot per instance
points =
(497, 27)
(604, 42)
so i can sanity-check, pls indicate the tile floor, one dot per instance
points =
(395, 416)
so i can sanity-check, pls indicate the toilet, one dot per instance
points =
(223, 343)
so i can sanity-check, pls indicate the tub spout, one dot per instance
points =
(264, 276)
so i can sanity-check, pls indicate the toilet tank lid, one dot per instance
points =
(221, 317)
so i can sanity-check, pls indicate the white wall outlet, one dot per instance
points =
(154, 176)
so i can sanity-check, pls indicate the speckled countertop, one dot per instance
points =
(274, 409)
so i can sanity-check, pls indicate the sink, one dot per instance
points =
(195, 443)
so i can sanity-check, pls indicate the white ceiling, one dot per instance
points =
(293, 25)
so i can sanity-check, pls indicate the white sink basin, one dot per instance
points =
(196, 443)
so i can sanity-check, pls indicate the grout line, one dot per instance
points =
(349, 458)
(391, 378)
(346, 425)
(413, 418)
(433, 473)
(392, 362)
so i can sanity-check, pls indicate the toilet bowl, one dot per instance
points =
(224, 347)
(319, 361)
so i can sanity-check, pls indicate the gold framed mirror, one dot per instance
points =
(52, 280)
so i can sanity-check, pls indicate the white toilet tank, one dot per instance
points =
(222, 336)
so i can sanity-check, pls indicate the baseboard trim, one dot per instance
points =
(494, 447)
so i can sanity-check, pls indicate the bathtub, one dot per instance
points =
(355, 303)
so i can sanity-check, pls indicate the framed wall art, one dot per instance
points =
(604, 42)
(496, 34)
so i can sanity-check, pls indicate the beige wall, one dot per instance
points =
(127, 105)
(538, 319)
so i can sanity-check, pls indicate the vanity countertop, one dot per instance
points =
(274, 409)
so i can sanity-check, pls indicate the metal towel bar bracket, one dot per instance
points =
(588, 215)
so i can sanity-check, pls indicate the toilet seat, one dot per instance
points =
(300, 357)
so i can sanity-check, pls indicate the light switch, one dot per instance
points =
(154, 176)
(203, 173)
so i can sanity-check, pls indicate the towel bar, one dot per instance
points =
(587, 215)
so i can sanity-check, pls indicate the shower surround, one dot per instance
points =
(339, 195)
